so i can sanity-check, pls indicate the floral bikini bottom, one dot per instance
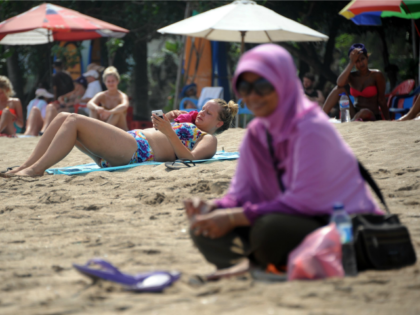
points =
(143, 153)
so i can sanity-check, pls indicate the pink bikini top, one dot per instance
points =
(368, 91)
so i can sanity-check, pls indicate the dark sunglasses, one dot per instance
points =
(261, 87)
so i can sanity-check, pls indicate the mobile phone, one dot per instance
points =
(158, 112)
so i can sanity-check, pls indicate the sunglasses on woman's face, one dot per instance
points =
(262, 87)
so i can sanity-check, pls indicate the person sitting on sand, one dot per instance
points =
(366, 85)
(414, 112)
(94, 86)
(64, 102)
(293, 167)
(10, 108)
(110, 146)
(36, 112)
(311, 93)
(72, 98)
(111, 105)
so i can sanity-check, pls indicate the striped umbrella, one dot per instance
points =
(370, 12)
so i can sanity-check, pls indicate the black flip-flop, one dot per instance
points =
(9, 169)
(179, 164)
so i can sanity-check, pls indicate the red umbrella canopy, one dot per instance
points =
(65, 24)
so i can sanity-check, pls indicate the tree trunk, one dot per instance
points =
(385, 53)
(141, 90)
(329, 50)
(15, 75)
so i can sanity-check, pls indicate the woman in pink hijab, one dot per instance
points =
(276, 199)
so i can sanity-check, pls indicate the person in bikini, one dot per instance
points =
(10, 108)
(111, 105)
(110, 146)
(367, 86)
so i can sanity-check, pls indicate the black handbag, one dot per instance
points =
(380, 241)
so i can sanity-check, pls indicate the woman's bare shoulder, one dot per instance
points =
(376, 72)
(101, 95)
(14, 101)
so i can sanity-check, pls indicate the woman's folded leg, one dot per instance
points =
(98, 138)
(274, 236)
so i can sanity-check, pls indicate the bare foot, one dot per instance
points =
(236, 270)
(15, 170)
(28, 172)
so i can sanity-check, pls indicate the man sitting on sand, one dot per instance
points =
(310, 92)
(94, 86)
(110, 106)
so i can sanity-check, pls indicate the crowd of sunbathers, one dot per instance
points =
(289, 174)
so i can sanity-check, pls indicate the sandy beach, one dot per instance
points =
(135, 219)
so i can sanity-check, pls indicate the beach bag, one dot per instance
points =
(381, 242)
(317, 257)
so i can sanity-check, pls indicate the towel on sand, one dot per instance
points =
(92, 167)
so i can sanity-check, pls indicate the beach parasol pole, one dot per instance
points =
(242, 42)
(49, 59)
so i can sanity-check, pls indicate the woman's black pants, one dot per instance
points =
(268, 241)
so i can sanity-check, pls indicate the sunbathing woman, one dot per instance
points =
(108, 145)
(111, 105)
(366, 85)
(10, 108)
(293, 167)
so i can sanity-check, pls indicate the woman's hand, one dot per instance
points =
(163, 125)
(214, 224)
(174, 114)
(197, 205)
(354, 55)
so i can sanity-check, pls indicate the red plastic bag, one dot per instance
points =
(317, 257)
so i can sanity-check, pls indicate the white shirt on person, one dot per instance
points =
(93, 88)
(41, 104)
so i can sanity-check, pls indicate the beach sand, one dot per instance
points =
(135, 219)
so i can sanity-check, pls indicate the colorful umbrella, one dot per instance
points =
(49, 22)
(370, 12)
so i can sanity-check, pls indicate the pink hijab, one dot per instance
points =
(317, 167)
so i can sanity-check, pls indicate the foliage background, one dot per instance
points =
(149, 79)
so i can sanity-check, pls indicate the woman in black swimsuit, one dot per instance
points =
(366, 85)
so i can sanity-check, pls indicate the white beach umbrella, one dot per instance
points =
(243, 21)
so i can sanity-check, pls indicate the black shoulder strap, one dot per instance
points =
(368, 178)
(365, 174)
(273, 157)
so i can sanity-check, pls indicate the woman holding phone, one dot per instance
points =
(109, 146)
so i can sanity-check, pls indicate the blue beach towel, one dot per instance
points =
(92, 167)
